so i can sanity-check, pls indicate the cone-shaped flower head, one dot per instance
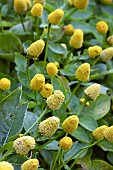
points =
(6, 166)
(106, 54)
(37, 10)
(49, 126)
(81, 4)
(94, 51)
(39, 1)
(98, 133)
(31, 164)
(76, 39)
(69, 29)
(110, 40)
(108, 133)
(52, 69)
(35, 49)
(23, 144)
(37, 82)
(93, 91)
(28, 3)
(83, 72)
(66, 143)
(55, 101)
(5, 84)
(47, 90)
(102, 27)
(20, 6)
(106, 2)
(70, 124)
(55, 16)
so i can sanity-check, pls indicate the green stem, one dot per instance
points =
(68, 55)
(55, 161)
(68, 15)
(61, 84)
(95, 61)
(21, 19)
(81, 108)
(86, 147)
(6, 154)
(28, 74)
(99, 75)
(37, 27)
(37, 121)
(1, 26)
(76, 59)
(46, 48)
(76, 88)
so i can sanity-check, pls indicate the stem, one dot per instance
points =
(68, 55)
(76, 59)
(28, 74)
(81, 108)
(75, 89)
(1, 23)
(99, 75)
(6, 154)
(37, 27)
(95, 61)
(61, 84)
(79, 151)
(21, 19)
(37, 121)
(46, 48)
(69, 14)
(58, 154)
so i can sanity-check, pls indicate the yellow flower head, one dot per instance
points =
(5, 84)
(106, 54)
(23, 144)
(28, 3)
(83, 72)
(108, 133)
(76, 39)
(93, 91)
(110, 40)
(55, 101)
(69, 29)
(106, 2)
(94, 51)
(39, 1)
(66, 143)
(47, 90)
(49, 126)
(55, 16)
(102, 27)
(87, 104)
(6, 166)
(35, 49)
(37, 82)
(52, 69)
(20, 6)
(71, 2)
(98, 133)
(31, 164)
(37, 10)
(70, 124)
(81, 4)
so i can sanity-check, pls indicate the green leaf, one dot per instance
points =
(57, 48)
(88, 122)
(81, 15)
(69, 70)
(100, 165)
(110, 157)
(7, 108)
(9, 44)
(52, 146)
(106, 146)
(100, 107)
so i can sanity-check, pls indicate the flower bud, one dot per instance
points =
(81, 4)
(28, 3)
(47, 90)
(39, 1)
(106, 54)
(94, 51)
(76, 40)
(69, 29)
(31, 164)
(110, 40)
(102, 27)
(55, 16)
(37, 10)
(106, 2)
(83, 72)
(35, 49)
(93, 91)
(66, 143)
(98, 133)
(23, 144)
(6, 166)
(56, 64)
(108, 133)
(20, 6)
(49, 126)
(55, 101)
(52, 70)
(37, 82)
(5, 84)
(70, 124)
